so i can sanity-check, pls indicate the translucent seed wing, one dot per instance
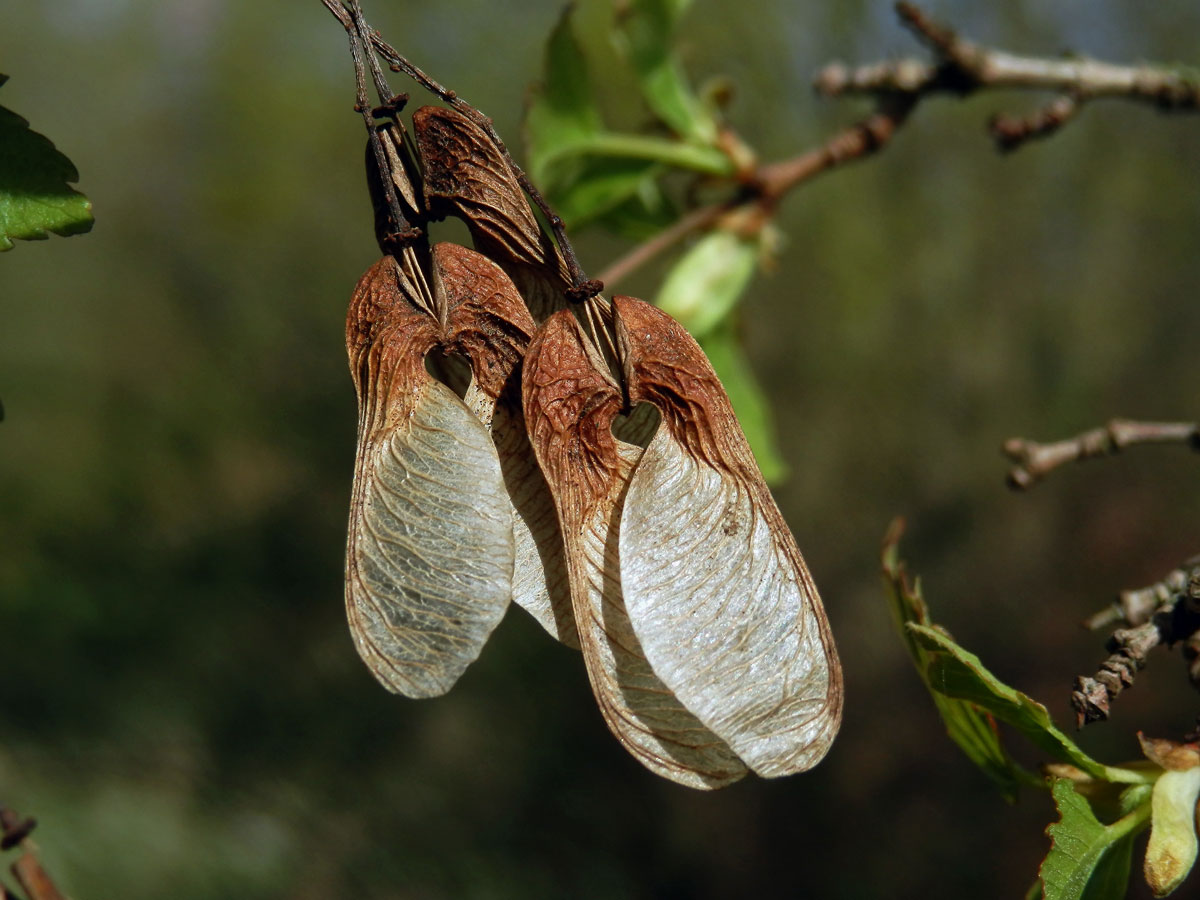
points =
(540, 583)
(570, 405)
(429, 554)
(717, 591)
(490, 325)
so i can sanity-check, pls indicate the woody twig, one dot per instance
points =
(768, 184)
(1035, 461)
(1165, 613)
(962, 67)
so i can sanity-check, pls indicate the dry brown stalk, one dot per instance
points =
(1035, 461)
(1163, 613)
(963, 67)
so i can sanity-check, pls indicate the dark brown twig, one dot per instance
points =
(963, 67)
(1034, 461)
(1174, 618)
(856, 142)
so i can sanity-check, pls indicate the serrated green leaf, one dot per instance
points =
(724, 351)
(967, 725)
(601, 184)
(35, 194)
(706, 282)
(647, 28)
(1087, 860)
(956, 672)
(563, 107)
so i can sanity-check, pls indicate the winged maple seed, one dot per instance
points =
(424, 588)
(703, 634)
(717, 591)
(570, 405)
(429, 559)
(651, 542)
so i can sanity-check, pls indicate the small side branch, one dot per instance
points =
(1035, 461)
(767, 185)
(962, 67)
(1174, 618)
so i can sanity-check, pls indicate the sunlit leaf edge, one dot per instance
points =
(973, 730)
(36, 199)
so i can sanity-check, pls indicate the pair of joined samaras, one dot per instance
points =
(661, 555)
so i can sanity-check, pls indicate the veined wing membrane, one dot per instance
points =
(716, 589)
(570, 404)
(488, 323)
(429, 556)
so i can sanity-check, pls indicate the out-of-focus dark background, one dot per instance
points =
(180, 703)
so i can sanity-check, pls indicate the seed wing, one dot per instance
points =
(717, 591)
(488, 323)
(570, 405)
(429, 556)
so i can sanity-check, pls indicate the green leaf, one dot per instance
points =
(563, 107)
(1087, 860)
(647, 28)
(968, 726)
(958, 673)
(600, 185)
(707, 281)
(35, 195)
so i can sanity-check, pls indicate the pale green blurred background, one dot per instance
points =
(180, 703)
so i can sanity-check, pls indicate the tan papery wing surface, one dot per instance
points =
(429, 556)
(716, 589)
(490, 325)
(570, 404)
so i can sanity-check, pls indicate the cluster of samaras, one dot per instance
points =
(578, 457)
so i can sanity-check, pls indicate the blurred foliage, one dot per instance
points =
(181, 706)
(35, 197)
